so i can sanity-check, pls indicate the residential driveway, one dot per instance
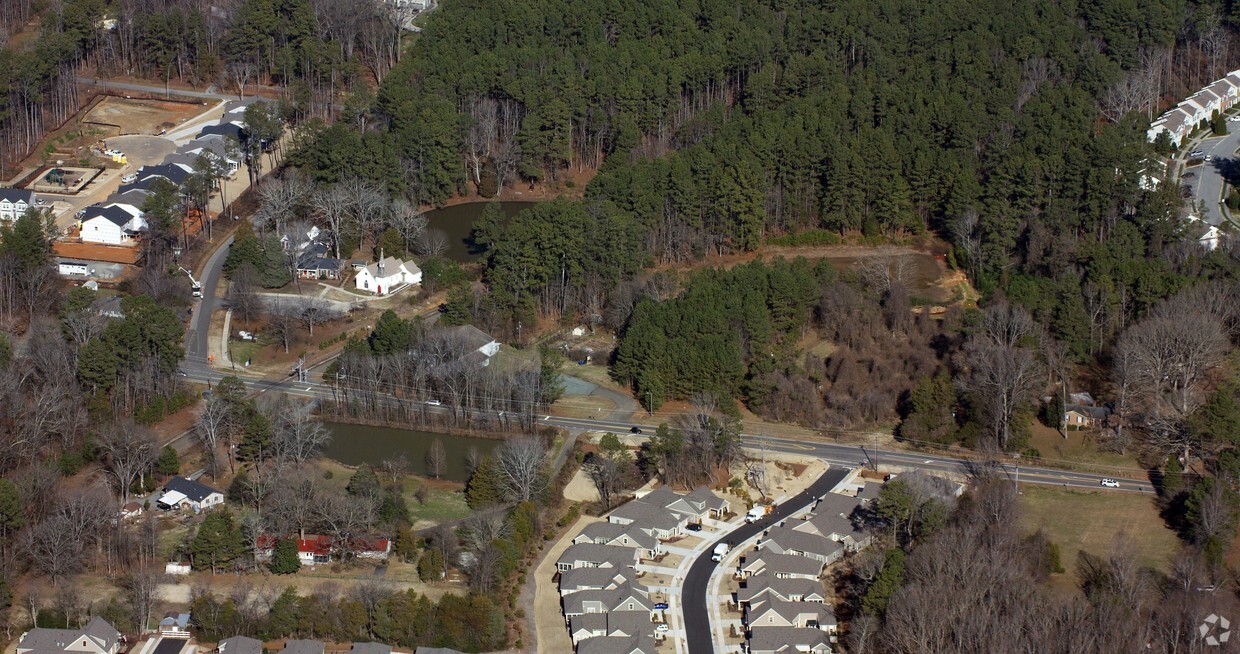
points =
(169, 646)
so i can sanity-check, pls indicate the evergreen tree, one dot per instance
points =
(284, 557)
(876, 597)
(392, 334)
(169, 463)
(483, 488)
(430, 566)
(217, 543)
(364, 482)
(931, 411)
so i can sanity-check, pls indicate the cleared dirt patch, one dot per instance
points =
(141, 116)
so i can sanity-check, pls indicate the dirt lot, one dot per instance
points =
(142, 116)
(1094, 521)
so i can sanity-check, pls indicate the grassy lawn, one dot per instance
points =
(1091, 521)
(242, 351)
(445, 501)
(1079, 446)
(582, 406)
(442, 505)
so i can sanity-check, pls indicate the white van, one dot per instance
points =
(720, 550)
(755, 514)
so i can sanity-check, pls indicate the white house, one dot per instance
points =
(14, 202)
(97, 637)
(1220, 95)
(387, 275)
(115, 224)
(180, 491)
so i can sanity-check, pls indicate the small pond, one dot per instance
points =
(458, 222)
(357, 444)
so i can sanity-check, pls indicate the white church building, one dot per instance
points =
(387, 275)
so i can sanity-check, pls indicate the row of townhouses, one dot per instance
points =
(1197, 109)
(781, 596)
(606, 609)
(100, 637)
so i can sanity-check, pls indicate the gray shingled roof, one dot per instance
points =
(615, 623)
(586, 578)
(617, 645)
(618, 557)
(647, 515)
(614, 599)
(787, 538)
(15, 194)
(791, 611)
(773, 563)
(786, 639)
(611, 532)
(371, 648)
(755, 588)
(194, 490)
(241, 645)
(98, 630)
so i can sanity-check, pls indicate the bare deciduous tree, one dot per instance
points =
(432, 242)
(436, 458)
(128, 451)
(520, 463)
(606, 475)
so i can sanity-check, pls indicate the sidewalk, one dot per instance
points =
(552, 633)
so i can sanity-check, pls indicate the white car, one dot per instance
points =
(1234, 119)
(1110, 483)
(1208, 157)
(129, 178)
(661, 627)
(1196, 153)
(433, 402)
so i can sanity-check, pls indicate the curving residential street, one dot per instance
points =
(1211, 177)
(694, 597)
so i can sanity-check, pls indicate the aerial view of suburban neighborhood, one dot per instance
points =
(619, 327)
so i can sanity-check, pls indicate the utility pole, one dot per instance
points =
(875, 451)
(650, 403)
(1017, 482)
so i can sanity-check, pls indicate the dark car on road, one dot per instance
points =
(635, 430)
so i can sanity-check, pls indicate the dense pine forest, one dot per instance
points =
(716, 125)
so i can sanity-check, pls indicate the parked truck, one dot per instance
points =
(758, 512)
(720, 550)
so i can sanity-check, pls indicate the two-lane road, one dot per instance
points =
(1210, 182)
(197, 337)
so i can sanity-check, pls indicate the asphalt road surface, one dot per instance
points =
(693, 597)
(149, 88)
(837, 454)
(197, 337)
(1208, 188)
